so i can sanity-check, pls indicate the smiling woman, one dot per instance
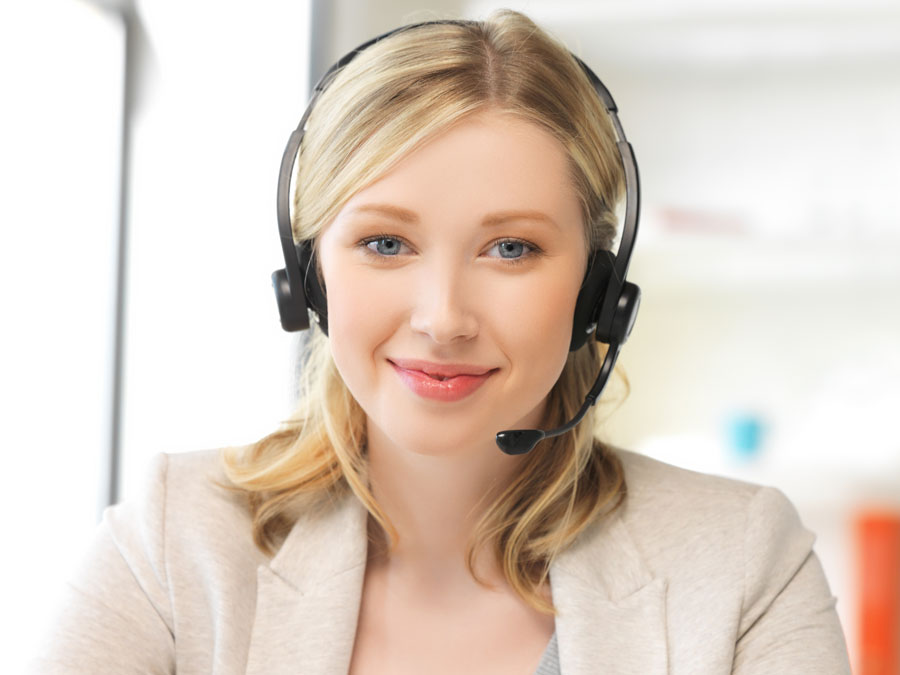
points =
(451, 234)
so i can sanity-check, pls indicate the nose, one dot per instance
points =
(444, 305)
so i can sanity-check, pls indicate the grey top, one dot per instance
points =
(549, 664)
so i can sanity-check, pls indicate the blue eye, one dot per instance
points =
(387, 246)
(515, 249)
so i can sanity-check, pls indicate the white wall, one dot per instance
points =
(62, 67)
(207, 364)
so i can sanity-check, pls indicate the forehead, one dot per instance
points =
(486, 163)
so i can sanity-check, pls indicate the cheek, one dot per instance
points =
(362, 302)
(359, 319)
(542, 313)
(536, 330)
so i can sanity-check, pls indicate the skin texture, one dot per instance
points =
(438, 285)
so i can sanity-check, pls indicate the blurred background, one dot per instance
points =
(139, 152)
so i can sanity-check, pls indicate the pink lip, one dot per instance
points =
(442, 369)
(454, 388)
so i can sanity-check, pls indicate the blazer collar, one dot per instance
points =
(611, 610)
(308, 596)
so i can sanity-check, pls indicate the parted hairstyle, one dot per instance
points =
(387, 101)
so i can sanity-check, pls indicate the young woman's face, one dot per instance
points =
(469, 255)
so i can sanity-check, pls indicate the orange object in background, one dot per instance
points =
(878, 575)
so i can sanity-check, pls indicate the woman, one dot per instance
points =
(455, 194)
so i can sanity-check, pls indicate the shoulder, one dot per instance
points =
(743, 583)
(191, 483)
(184, 517)
(648, 477)
(669, 509)
(734, 539)
(670, 493)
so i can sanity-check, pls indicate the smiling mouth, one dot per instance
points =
(441, 372)
(445, 388)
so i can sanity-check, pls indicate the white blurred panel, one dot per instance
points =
(62, 69)
(207, 364)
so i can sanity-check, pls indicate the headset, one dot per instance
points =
(607, 304)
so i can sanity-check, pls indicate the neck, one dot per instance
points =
(435, 502)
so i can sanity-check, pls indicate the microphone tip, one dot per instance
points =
(519, 441)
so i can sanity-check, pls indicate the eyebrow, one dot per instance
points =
(498, 218)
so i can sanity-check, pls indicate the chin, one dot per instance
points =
(435, 441)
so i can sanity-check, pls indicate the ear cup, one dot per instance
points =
(291, 310)
(593, 290)
(625, 313)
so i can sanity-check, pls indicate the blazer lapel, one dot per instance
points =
(308, 596)
(611, 611)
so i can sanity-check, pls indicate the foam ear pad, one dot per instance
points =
(593, 290)
(315, 293)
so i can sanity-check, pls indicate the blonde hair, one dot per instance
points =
(388, 100)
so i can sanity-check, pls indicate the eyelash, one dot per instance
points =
(534, 249)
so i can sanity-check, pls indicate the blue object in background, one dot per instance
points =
(745, 433)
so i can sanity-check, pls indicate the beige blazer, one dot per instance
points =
(695, 575)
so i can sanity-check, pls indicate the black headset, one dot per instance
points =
(607, 304)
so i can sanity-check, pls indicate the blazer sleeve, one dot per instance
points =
(788, 623)
(116, 616)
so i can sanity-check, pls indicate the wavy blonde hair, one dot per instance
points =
(387, 101)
